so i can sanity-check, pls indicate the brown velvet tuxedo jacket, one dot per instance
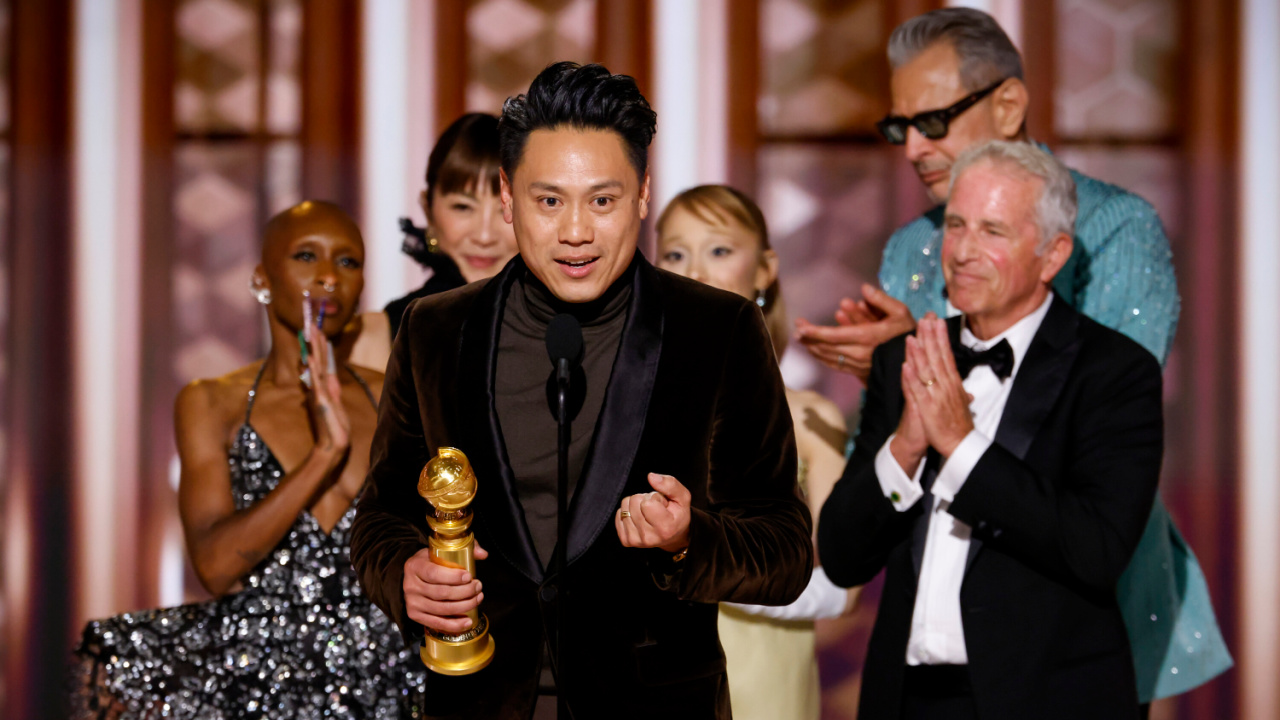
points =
(695, 393)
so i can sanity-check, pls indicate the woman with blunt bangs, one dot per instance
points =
(465, 239)
(717, 235)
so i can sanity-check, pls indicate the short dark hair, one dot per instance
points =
(465, 154)
(583, 97)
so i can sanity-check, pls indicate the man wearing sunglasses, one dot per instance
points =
(957, 83)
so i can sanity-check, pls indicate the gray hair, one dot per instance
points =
(1056, 206)
(986, 54)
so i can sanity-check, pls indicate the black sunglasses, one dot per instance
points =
(934, 123)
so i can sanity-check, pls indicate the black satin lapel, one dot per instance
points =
(622, 418)
(1040, 379)
(498, 508)
(1036, 389)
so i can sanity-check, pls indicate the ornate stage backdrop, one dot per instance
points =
(246, 106)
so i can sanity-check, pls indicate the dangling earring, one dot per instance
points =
(261, 294)
(433, 244)
(760, 298)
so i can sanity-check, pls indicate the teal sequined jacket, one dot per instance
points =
(1120, 274)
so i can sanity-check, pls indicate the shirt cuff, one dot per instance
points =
(901, 490)
(821, 599)
(955, 471)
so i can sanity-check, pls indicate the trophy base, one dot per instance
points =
(458, 654)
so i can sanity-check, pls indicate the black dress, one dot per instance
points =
(301, 640)
(446, 276)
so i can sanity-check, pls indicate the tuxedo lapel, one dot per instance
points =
(1039, 382)
(622, 417)
(497, 504)
(1040, 379)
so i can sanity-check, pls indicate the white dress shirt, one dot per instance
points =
(937, 632)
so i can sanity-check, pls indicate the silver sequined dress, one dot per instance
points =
(299, 641)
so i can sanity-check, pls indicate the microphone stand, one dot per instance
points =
(562, 521)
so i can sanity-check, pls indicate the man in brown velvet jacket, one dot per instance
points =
(679, 378)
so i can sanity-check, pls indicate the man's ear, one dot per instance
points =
(1056, 256)
(1009, 108)
(644, 195)
(504, 191)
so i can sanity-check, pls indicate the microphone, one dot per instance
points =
(564, 344)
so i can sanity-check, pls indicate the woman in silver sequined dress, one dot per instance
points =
(273, 458)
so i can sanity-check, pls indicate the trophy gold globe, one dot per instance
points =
(448, 483)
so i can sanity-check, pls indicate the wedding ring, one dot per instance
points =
(625, 514)
(840, 361)
(930, 382)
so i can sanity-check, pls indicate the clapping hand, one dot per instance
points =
(329, 418)
(860, 327)
(934, 389)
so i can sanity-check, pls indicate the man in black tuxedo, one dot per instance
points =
(679, 379)
(1006, 464)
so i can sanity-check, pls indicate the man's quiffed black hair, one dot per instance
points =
(585, 97)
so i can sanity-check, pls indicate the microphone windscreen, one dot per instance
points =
(564, 339)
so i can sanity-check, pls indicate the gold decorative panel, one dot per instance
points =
(1116, 68)
(511, 41)
(823, 69)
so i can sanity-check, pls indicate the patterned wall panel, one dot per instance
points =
(828, 214)
(217, 325)
(218, 85)
(284, 66)
(829, 210)
(4, 303)
(1116, 68)
(823, 67)
(511, 41)
(237, 160)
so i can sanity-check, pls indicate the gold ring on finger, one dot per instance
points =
(930, 382)
(625, 514)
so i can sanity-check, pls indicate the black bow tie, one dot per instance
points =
(999, 357)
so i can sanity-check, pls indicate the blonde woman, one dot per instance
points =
(717, 235)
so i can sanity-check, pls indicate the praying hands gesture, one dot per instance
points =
(936, 413)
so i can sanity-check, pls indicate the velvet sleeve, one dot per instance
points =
(390, 517)
(1081, 528)
(858, 526)
(753, 544)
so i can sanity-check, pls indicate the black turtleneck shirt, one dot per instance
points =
(528, 426)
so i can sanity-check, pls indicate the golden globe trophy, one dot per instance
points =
(449, 484)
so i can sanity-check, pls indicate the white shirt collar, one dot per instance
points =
(1019, 335)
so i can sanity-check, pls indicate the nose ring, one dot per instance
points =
(328, 287)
